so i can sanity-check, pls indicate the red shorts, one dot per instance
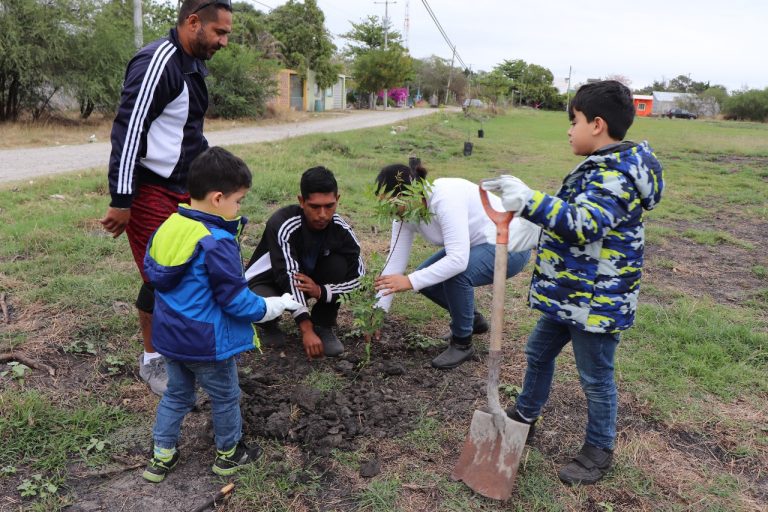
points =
(151, 206)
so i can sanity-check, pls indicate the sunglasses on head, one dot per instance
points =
(227, 4)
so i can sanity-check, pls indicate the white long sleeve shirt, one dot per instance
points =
(458, 222)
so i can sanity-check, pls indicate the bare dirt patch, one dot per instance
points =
(723, 271)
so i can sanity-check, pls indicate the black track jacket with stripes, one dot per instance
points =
(158, 129)
(286, 239)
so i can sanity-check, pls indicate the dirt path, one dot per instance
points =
(21, 164)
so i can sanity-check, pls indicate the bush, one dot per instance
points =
(749, 105)
(241, 82)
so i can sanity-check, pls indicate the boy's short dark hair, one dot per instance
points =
(217, 170)
(317, 180)
(609, 100)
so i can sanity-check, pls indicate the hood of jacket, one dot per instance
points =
(178, 241)
(639, 163)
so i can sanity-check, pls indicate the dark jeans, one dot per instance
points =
(219, 380)
(328, 270)
(457, 294)
(594, 353)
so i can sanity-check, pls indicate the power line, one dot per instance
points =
(443, 33)
(262, 3)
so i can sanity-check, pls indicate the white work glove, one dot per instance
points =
(513, 192)
(277, 305)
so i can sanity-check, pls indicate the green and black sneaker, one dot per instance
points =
(163, 461)
(230, 461)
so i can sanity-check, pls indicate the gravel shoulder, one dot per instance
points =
(28, 163)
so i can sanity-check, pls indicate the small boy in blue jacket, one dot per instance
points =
(204, 311)
(588, 266)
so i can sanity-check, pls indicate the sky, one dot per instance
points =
(724, 43)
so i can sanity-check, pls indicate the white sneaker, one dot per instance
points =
(154, 374)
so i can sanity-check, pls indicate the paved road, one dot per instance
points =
(23, 164)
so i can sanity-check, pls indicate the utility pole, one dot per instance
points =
(450, 75)
(406, 25)
(568, 92)
(138, 31)
(386, 37)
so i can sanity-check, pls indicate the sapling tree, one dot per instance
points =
(408, 206)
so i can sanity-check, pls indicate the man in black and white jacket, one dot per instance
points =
(157, 132)
(309, 251)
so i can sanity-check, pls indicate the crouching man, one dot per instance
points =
(309, 251)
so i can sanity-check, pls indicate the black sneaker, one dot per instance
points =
(332, 346)
(590, 465)
(515, 416)
(479, 326)
(158, 467)
(231, 461)
(271, 335)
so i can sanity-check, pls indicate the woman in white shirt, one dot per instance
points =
(457, 223)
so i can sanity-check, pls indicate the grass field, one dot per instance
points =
(693, 417)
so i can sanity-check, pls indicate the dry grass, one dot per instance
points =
(64, 129)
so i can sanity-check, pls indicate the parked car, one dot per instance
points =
(680, 113)
(472, 103)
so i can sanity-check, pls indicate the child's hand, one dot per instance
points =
(514, 193)
(277, 305)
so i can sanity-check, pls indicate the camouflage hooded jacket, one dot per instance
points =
(590, 254)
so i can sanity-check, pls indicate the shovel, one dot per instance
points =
(491, 454)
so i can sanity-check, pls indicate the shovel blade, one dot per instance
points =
(489, 460)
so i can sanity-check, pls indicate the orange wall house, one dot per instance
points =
(643, 104)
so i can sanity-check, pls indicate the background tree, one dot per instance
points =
(300, 27)
(241, 82)
(33, 57)
(751, 105)
(431, 78)
(532, 83)
(382, 69)
(374, 67)
(494, 86)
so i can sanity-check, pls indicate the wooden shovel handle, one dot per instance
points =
(501, 219)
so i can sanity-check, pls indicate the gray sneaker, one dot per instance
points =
(154, 374)
(332, 347)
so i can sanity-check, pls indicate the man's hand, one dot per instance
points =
(514, 193)
(307, 285)
(115, 220)
(392, 283)
(313, 346)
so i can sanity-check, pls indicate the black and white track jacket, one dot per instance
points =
(158, 129)
(278, 256)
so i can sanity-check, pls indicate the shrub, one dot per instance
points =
(241, 82)
(751, 105)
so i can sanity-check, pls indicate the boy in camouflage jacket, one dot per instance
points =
(589, 262)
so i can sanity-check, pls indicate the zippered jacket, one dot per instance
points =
(158, 129)
(203, 307)
(590, 253)
(286, 239)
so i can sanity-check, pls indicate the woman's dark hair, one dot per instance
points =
(393, 179)
(217, 170)
(317, 180)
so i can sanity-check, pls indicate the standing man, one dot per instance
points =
(309, 251)
(157, 132)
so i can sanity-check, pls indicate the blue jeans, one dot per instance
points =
(457, 294)
(219, 380)
(594, 353)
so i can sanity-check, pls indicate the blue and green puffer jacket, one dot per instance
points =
(590, 254)
(203, 307)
